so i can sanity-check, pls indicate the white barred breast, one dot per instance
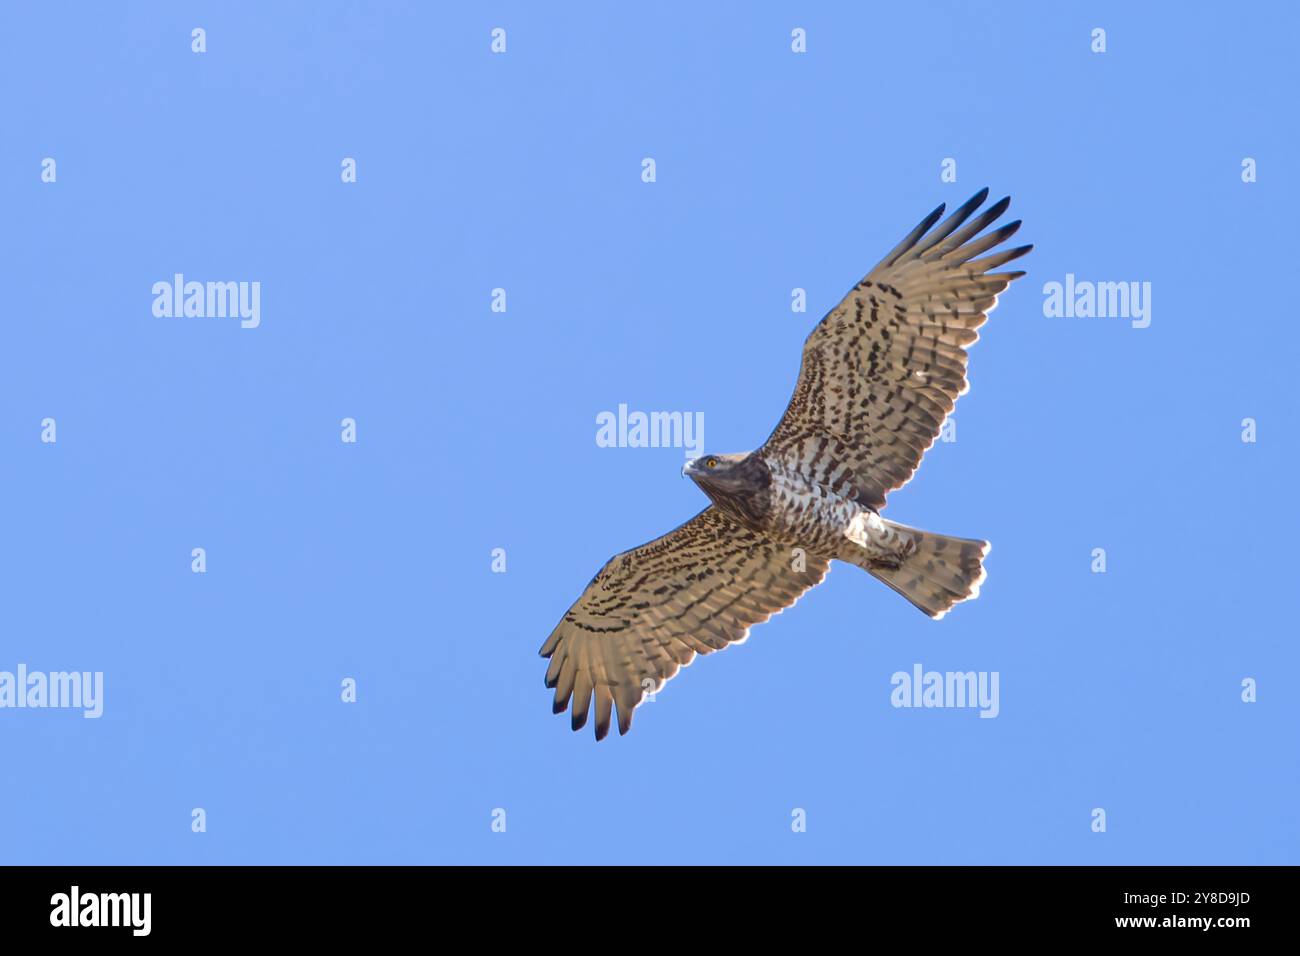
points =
(808, 514)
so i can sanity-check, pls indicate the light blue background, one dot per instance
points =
(477, 430)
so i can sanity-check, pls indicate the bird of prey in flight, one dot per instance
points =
(880, 373)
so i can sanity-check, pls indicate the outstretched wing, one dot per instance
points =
(652, 609)
(884, 368)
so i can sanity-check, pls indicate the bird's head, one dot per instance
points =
(727, 474)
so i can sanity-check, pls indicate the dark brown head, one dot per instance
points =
(738, 484)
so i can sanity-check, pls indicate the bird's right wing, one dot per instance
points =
(652, 609)
(884, 368)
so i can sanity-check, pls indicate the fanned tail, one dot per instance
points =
(933, 571)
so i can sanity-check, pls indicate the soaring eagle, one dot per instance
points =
(880, 374)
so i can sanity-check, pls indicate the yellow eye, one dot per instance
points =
(711, 463)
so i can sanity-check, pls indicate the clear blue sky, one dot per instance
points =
(476, 429)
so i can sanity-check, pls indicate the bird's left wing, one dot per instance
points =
(652, 609)
(884, 368)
